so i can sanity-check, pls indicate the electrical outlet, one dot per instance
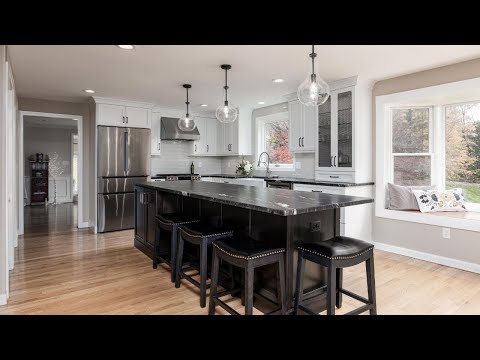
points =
(199, 164)
(228, 164)
(298, 165)
(446, 233)
(315, 225)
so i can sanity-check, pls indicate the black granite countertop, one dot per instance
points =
(275, 201)
(292, 180)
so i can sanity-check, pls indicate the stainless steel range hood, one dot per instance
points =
(169, 130)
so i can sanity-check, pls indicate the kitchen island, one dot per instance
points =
(282, 218)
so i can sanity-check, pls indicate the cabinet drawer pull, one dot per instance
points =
(331, 161)
(127, 119)
(334, 177)
(335, 160)
(158, 146)
(207, 148)
(123, 119)
(226, 182)
(317, 191)
(141, 198)
(195, 147)
(299, 142)
(303, 142)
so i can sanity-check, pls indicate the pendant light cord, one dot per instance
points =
(188, 115)
(226, 88)
(313, 56)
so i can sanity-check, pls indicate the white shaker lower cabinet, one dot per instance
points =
(236, 181)
(355, 221)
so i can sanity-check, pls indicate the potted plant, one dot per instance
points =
(244, 168)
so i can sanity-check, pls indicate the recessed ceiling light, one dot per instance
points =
(278, 81)
(203, 105)
(90, 91)
(261, 102)
(126, 47)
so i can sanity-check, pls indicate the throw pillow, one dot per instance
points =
(402, 198)
(433, 200)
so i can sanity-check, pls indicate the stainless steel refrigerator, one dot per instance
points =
(123, 159)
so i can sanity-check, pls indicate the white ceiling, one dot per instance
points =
(155, 73)
(41, 121)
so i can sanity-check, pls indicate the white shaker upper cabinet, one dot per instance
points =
(301, 127)
(236, 138)
(155, 134)
(112, 112)
(110, 115)
(344, 136)
(137, 117)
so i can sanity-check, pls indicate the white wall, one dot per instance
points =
(463, 246)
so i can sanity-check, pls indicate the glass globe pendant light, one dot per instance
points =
(313, 90)
(187, 123)
(226, 113)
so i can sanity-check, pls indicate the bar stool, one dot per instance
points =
(336, 254)
(201, 234)
(248, 254)
(169, 222)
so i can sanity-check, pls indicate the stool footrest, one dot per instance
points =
(226, 307)
(360, 310)
(192, 280)
(355, 296)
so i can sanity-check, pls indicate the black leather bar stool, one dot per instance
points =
(336, 254)
(244, 252)
(202, 234)
(169, 222)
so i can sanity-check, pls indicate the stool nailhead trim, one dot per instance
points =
(249, 257)
(336, 257)
(206, 236)
(166, 222)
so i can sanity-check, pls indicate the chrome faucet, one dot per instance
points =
(269, 173)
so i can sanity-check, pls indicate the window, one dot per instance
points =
(430, 136)
(272, 133)
(411, 146)
(462, 149)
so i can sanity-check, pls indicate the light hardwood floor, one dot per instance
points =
(61, 270)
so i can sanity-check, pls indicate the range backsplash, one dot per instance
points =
(175, 159)
(307, 164)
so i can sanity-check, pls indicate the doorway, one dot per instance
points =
(50, 161)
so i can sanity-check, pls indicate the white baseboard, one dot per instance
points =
(3, 299)
(437, 259)
(83, 225)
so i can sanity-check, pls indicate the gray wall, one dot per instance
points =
(463, 245)
(175, 159)
(61, 107)
(47, 140)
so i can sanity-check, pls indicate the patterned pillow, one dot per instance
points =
(433, 200)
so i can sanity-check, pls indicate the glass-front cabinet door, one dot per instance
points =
(325, 134)
(344, 130)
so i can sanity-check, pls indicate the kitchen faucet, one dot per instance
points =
(269, 173)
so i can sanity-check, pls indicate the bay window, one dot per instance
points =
(430, 136)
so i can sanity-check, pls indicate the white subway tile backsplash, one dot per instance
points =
(175, 158)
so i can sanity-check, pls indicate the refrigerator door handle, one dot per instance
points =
(126, 150)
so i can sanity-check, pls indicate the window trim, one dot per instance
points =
(431, 139)
(260, 123)
(383, 143)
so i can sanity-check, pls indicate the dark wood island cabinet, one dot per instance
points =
(283, 218)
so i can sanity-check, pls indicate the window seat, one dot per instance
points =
(465, 220)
